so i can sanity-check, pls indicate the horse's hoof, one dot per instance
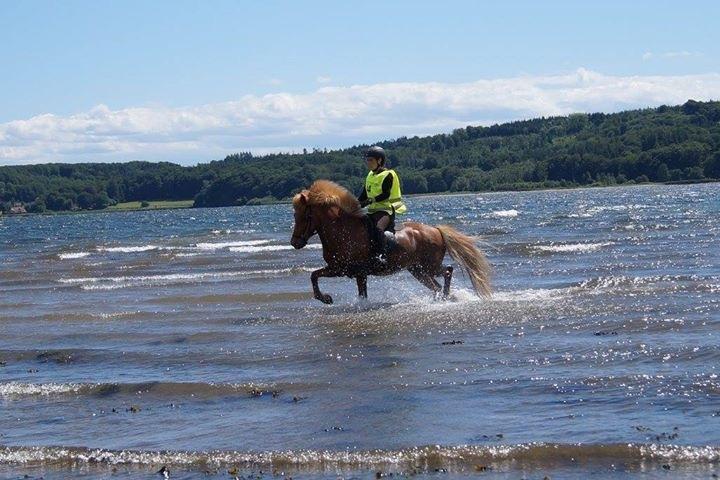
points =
(325, 298)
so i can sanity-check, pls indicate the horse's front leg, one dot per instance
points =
(362, 285)
(323, 272)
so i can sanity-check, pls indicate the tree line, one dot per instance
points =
(664, 144)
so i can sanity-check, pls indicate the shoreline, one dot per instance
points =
(289, 200)
(420, 459)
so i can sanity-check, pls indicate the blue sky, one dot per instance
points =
(191, 81)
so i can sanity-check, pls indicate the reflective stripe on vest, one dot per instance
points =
(373, 188)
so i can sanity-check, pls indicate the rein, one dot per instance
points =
(309, 231)
(305, 236)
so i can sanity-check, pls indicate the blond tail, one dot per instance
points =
(463, 250)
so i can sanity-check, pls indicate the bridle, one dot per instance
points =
(305, 236)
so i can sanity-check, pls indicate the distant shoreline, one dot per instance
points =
(663, 145)
(188, 204)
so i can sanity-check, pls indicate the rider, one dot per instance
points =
(381, 194)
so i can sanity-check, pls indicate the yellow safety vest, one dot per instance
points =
(373, 188)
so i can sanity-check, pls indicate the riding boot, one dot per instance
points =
(378, 257)
(387, 245)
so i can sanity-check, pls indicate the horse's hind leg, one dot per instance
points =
(447, 276)
(425, 278)
(362, 285)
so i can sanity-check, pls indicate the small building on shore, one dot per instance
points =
(17, 209)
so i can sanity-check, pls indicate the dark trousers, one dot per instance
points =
(377, 216)
(378, 241)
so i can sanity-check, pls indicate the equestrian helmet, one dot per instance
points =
(376, 152)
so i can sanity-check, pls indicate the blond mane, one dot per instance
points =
(329, 194)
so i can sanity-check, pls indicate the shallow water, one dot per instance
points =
(188, 338)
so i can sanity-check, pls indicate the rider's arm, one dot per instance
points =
(363, 198)
(386, 186)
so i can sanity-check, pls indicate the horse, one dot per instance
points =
(334, 213)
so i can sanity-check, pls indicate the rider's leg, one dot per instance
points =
(384, 222)
(380, 220)
(389, 233)
(379, 243)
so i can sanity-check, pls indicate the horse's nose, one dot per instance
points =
(297, 243)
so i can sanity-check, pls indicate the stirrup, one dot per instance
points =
(377, 263)
(389, 243)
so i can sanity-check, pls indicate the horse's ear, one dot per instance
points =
(334, 212)
(304, 197)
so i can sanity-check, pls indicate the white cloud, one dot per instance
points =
(323, 79)
(680, 54)
(275, 81)
(330, 116)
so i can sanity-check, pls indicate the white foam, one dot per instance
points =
(113, 283)
(116, 314)
(328, 461)
(531, 295)
(270, 248)
(572, 247)
(72, 256)
(136, 249)
(248, 246)
(465, 296)
(12, 389)
(584, 211)
(506, 213)
(409, 298)
(228, 231)
(626, 282)
(220, 245)
(681, 453)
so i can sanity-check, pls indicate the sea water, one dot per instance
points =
(187, 342)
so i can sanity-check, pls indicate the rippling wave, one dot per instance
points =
(572, 247)
(506, 213)
(220, 245)
(157, 389)
(112, 283)
(237, 246)
(462, 458)
(72, 256)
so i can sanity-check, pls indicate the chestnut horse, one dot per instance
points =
(335, 215)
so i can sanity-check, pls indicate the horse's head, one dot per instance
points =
(305, 223)
(325, 202)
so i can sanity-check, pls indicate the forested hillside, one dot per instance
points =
(679, 143)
